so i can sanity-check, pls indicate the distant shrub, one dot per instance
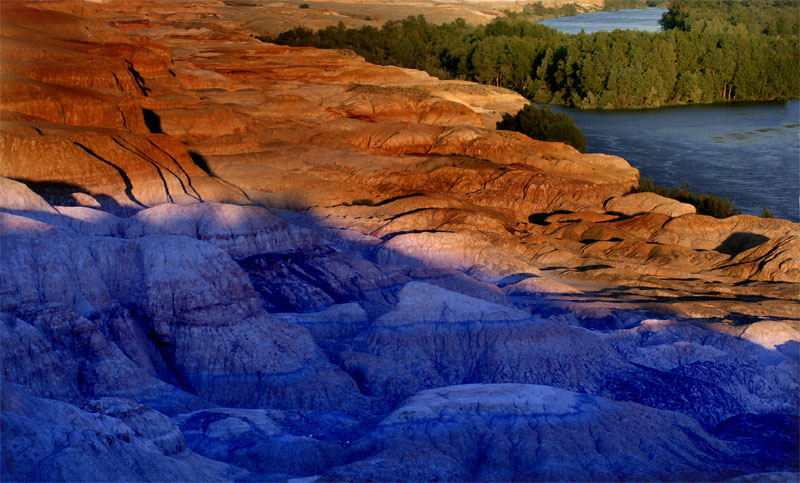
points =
(767, 213)
(304, 5)
(546, 125)
(613, 5)
(538, 10)
(705, 204)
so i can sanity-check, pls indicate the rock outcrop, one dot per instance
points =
(644, 203)
(223, 259)
(180, 307)
(48, 440)
(550, 434)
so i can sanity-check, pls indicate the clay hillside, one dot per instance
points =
(224, 259)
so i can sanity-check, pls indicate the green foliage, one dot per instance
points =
(705, 204)
(753, 17)
(539, 11)
(605, 70)
(612, 5)
(545, 125)
(767, 213)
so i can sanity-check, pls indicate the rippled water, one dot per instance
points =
(624, 19)
(748, 152)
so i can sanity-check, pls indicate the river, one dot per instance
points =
(748, 152)
(624, 19)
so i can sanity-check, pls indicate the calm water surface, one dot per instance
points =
(748, 152)
(624, 19)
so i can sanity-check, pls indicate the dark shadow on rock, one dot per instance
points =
(138, 78)
(152, 121)
(125, 178)
(790, 349)
(109, 204)
(201, 162)
(539, 218)
(395, 198)
(739, 242)
(306, 282)
(589, 241)
(507, 123)
(771, 439)
(514, 278)
(587, 268)
(620, 216)
(623, 292)
(57, 193)
(406, 213)
(618, 319)
(408, 232)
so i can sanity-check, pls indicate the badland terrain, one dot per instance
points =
(224, 259)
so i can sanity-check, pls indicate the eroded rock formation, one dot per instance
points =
(224, 260)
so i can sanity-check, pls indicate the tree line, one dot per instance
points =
(605, 70)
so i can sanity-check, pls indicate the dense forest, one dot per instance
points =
(713, 51)
(748, 17)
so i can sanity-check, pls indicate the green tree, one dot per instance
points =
(491, 61)
(545, 125)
